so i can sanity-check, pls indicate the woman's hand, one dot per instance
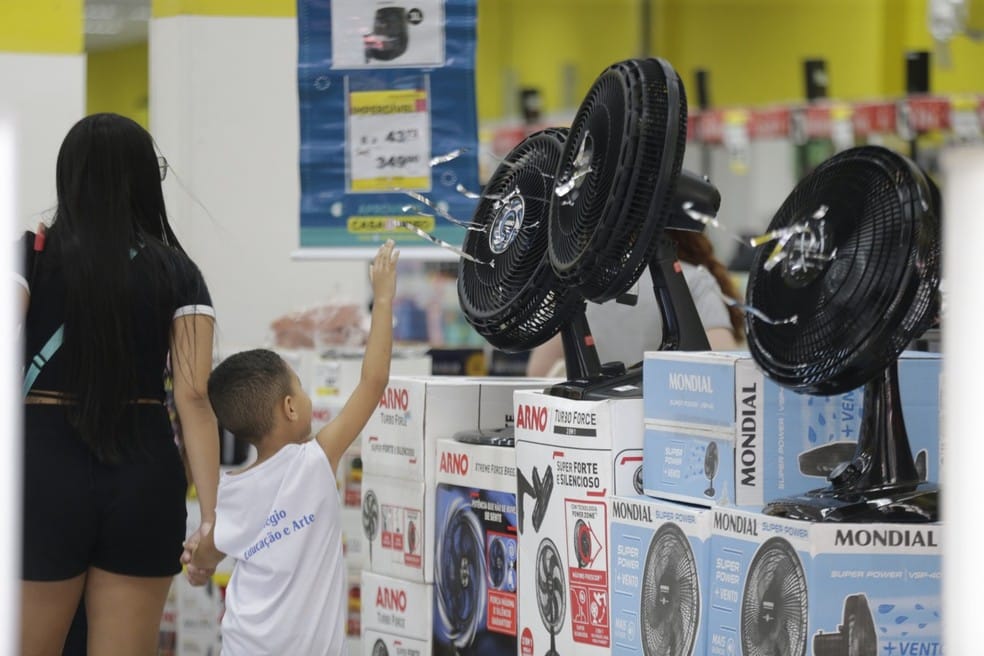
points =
(382, 272)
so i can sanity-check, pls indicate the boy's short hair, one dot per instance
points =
(245, 388)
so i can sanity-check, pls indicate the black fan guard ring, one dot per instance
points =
(518, 303)
(758, 635)
(550, 586)
(669, 556)
(461, 582)
(879, 291)
(603, 233)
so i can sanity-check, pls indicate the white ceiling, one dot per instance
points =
(115, 23)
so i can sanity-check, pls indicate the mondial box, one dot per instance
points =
(568, 460)
(396, 613)
(719, 432)
(398, 527)
(785, 587)
(476, 550)
(659, 570)
(400, 438)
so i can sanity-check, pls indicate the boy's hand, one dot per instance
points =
(382, 272)
(200, 565)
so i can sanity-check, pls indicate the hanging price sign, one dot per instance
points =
(389, 140)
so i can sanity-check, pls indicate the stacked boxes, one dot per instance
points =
(475, 577)
(571, 456)
(718, 432)
(787, 587)
(399, 483)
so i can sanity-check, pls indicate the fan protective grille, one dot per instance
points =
(551, 593)
(517, 302)
(670, 603)
(875, 293)
(774, 603)
(460, 575)
(627, 141)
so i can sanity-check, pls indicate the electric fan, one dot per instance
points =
(390, 34)
(412, 537)
(582, 543)
(856, 636)
(637, 481)
(551, 593)
(669, 609)
(858, 263)
(631, 131)
(459, 575)
(497, 563)
(710, 467)
(370, 518)
(540, 490)
(773, 605)
(379, 648)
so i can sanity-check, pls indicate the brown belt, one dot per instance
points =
(52, 398)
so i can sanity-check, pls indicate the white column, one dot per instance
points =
(224, 111)
(963, 368)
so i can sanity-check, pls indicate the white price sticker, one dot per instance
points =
(389, 140)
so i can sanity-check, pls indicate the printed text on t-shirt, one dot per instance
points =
(278, 518)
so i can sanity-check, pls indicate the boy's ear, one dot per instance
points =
(288, 408)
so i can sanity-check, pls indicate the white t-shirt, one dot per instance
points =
(280, 521)
(624, 332)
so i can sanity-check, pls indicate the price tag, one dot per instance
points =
(389, 140)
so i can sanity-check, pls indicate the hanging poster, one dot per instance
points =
(389, 133)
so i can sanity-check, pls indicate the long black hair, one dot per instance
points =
(110, 205)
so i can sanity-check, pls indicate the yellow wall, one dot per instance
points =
(117, 82)
(754, 49)
(41, 26)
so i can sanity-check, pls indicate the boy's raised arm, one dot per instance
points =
(336, 437)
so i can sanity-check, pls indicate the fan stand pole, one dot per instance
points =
(580, 354)
(682, 327)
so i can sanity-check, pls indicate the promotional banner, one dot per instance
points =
(388, 124)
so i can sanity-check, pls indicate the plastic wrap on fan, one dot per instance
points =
(322, 326)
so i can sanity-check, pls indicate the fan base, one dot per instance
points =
(898, 503)
(625, 386)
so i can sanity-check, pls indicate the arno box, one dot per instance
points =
(570, 457)
(659, 575)
(398, 527)
(476, 550)
(787, 587)
(398, 614)
(719, 432)
(400, 438)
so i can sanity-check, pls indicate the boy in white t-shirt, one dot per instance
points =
(279, 517)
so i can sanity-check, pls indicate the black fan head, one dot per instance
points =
(669, 608)
(390, 34)
(638, 484)
(379, 648)
(618, 174)
(551, 593)
(460, 579)
(516, 303)
(856, 636)
(774, 603)
(862, 279)
(711, 460)
(370, 515)
(582, 543)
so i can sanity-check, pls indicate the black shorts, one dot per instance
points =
(126, 518)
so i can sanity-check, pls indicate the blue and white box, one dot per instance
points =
(796, 588)
(719, 432)
(659, 576)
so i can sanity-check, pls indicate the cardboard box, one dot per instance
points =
(659, 575)
(718, 432)
(400, 438)
(781, 586)
(398, 613)
(568, 456)
(354, 546)
(476, 550)
(397, 517)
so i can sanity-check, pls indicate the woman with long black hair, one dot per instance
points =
(110, 296)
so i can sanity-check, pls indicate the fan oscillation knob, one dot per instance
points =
(844, 474)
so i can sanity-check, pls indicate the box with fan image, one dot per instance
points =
(476, 550)
(787, 587)
(400, 438)
(397, 614)
(571, 456)
(398, 526)
(659, 570)
(718, 432)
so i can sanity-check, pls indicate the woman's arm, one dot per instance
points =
(544, 357)
(191, 361)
